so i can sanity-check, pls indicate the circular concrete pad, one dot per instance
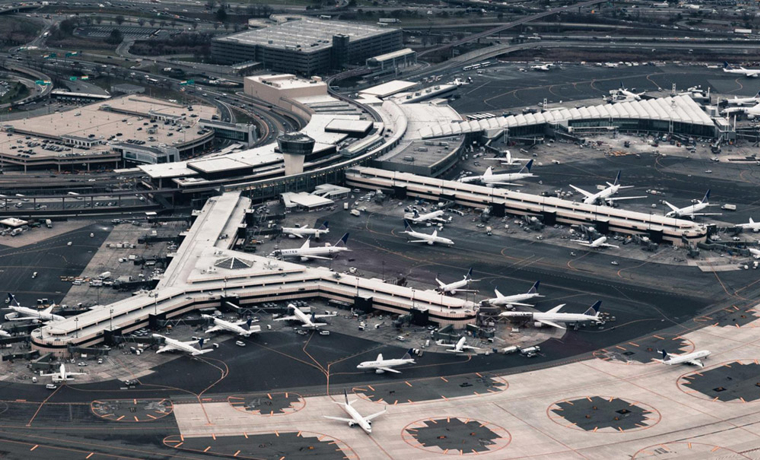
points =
(132, 410)
(455, 436)
(268, 404)
(603, 414)
(693, 450)
(733, 381)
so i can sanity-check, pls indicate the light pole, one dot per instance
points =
(112, 320)
(155, 302)
(76, 332)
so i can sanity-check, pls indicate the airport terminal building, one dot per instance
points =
(307, 46)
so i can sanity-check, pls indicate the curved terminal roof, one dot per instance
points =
(680, 109)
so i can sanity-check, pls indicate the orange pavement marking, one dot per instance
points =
(35, 446)
(136, 419)
(206, 449)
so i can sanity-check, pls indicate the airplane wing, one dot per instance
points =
(369, 418)
(447, 345)
(619, 198)
(317, 257)
(327, 315)
(201, 352)
(504, 183)
(672, 208)
(418, 241)
(296, 235)
(340, 419)
(607, 245)
(287, 318)
(26, 318)
(315, 325)
(215, 329)
(695, 362)
(389, 369)
(552, 324)
(469, 347)
(707, 214)
(581, 191)
(519, 304)
(166, 348)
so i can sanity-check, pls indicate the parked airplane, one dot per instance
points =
(62, 375)
(307, 252)
(689, 358)
(185, 347)
(755, 252)
(365, 423)
(754, 100)
(4, 333)
(751, 73)
(307, 320)
(459, 347)
(604, 196)
(381, 365)
(435, 216)
(751, 225)
(541, 67)
(750, 112)
(693, 210)
(510, 301)
(507, 159)
(236, 327)
(424, 237)
(300, 232)
(622, 94)
(456, 286)
(600, 242)
(553, 317)
(26, 314)
(490, 179)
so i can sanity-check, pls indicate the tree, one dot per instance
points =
(115, 38)
(119, 20)
(221, 14)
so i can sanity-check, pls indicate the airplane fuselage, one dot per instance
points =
(512, 299)
(310, 252)
(682, 359)
(553, 317)
(358, 419)
(389, 363)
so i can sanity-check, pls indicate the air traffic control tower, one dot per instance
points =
(294, 148)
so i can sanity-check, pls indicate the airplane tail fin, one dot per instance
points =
(469, 273)
(707, 197)
(534, 288)
(249, 322)
(617, 179)
(408, 354)
(726, 65)
(345, 393)
(499, 295)
(527, 166)
(200, 342)
(751, 221)
(488, 172)
(343, 241)
(324, 226)
(594, 309)
(665, 355)
(12, 299)
(415, 213)
(407, 227)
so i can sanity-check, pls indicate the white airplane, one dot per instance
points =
(754, 100)
(510, 301)
(434, 216)
(693, 210)
(553, 317)
(356, 418)
(300, 232)
(236, 327)
(381, 365)
(306, 252)
(4, 333)
(750, 112)
(751, 225)
(62, 375)
(755, 252)
(600, 242)
(604, 196)
(490, 179)
(459, 347)
(424, 237)
(507, 159)
(307, 320)
(689, 358)
(541, 67)
(26, 314)
(623, 95)
(186, 347)
(750, 73)
(456, 286)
